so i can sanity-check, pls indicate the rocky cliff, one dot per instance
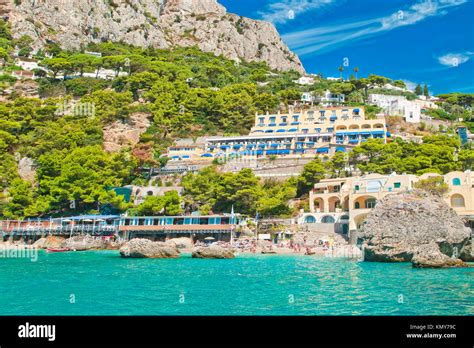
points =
(157, 23)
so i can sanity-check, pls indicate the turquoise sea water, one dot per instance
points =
(102, 283)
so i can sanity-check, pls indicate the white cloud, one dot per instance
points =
(286, 10)
(454, 59)
(410, 84)
(325, 38)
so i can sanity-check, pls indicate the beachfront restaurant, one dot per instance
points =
(97, 225)
(197, 227)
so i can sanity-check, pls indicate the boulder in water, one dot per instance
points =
(49, 242)
(429, 256)
(401, 223)
(145, 248)
(213, 252)
(85, 242)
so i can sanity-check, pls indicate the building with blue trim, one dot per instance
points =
(316, 131)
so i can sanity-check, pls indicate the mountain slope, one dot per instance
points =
(157, 23)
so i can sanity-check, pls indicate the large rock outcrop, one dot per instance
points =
(213, 252)
(159, 23)
(119, 134)
(406, 225)
(145, 248)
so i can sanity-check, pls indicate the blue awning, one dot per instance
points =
(365, 133)
(300, 142)
(355, 110)
(294, 123)
(322, 150)
(340, 149)
(259, 152)
(389, 135)
(225, 147)
(175, 157)
(271, 152)
(185, 156)
(333, 118)
(283, 124)
(237, 146)
(310, 142)
(318, 130)
(378, 132)
(250, 146)
(272, 124)
(292, 130)
(206, 155)
(283, 152)
(281, 131)
(261, 146)
(298, 150)
(353, 140)
(269, 131)
(275, 145)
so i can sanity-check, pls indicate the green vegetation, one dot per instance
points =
(434, 185)
(437, 154)
(211, 191)
(185, 93)
(168, 204)
(455, 107)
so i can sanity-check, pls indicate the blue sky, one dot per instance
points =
(418, 41)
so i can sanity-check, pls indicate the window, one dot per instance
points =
(457, 201)
(456, 182)
(261, 119)
(272, 119)
(397, 185)
(295, 118)
(370, 203)
(357, 205)
(357, 187)
(283, 119)
(328, 220)
(322, 112)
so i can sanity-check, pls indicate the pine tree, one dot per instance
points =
(418, 90)
(426, 93)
